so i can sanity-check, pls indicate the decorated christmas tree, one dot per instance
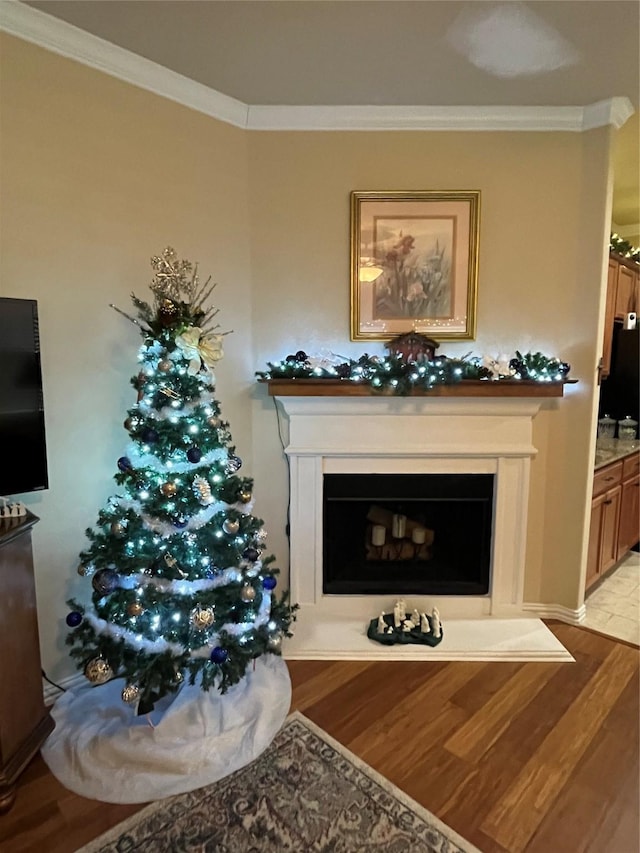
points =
(182, 588)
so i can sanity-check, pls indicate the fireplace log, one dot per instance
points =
(397, 550)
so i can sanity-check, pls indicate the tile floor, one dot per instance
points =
(614, 607)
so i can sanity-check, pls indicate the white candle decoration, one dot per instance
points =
(419, 535)
(378, 535)
(396, 615)
(415, 616)
(398, 526)
(402, 608)
(437, 625)
(425, 628)
(382, 625)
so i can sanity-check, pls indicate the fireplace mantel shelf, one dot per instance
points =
(464, 388)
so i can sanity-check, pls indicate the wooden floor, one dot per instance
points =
(535, 757)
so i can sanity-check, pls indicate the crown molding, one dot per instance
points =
(613, 111)
(73, 43)
(461, 118)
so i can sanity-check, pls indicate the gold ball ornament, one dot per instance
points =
(248, 593)
(131, 423)
(245, 496)
(202, 618)
(214, 421)
(179, 677)
(118, 529)
(164, 365)
(168, 489)
(130, 693)
(231, 526)
(98, 671)
(135, 608)
(85, 571)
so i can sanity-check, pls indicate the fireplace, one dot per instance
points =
(399, 534)
(339, 445)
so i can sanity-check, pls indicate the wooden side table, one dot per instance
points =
(25, 723)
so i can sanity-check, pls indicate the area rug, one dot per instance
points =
(305, 794)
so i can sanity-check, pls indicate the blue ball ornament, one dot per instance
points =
(219, 655)
(251, 554)
(124, 464)
(194, 454)
(105, 581)
(180, 522)
(74, 619)
(150, 435)
(269, 582)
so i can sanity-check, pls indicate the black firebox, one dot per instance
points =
(414, 534)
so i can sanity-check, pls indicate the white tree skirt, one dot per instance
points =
(100, 749)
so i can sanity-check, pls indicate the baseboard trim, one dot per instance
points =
(556, 611)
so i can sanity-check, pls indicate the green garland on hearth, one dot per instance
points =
(624, 248)
(394, 373)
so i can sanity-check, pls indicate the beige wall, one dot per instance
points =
(98, 175)
(542, 250)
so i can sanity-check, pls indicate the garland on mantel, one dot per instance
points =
(624, 248)
(396, 374)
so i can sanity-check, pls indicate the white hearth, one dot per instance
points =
(413, 435)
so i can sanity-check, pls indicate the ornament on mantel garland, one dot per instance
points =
(411, 364)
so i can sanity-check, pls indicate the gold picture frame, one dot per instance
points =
(414, 264)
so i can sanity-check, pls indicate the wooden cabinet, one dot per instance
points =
(24, 721)
(626, 291)
(615, 519)
(629, 528)
(623, 297)
(605, 518)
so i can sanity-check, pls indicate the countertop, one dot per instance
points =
(611, 449)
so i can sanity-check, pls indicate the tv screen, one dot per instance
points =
(22, 435)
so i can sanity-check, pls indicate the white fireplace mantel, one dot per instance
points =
(398, 435)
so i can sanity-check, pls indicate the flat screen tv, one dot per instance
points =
(22, 435)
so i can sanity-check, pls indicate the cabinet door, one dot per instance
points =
(625, 291)
(610, 525)
(629, 531)
(595, 539)
(610, 310)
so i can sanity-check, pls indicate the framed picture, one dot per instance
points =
(414, 264)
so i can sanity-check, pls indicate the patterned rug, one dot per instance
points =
(305, 794)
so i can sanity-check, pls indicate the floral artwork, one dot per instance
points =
(414, 264)
(416, 279)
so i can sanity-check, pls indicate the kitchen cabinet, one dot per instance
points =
(626, 291)
(24, 721)
(623, 297)
(615, 520)
(629, 528)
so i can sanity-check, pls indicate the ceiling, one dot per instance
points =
(394, 52)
